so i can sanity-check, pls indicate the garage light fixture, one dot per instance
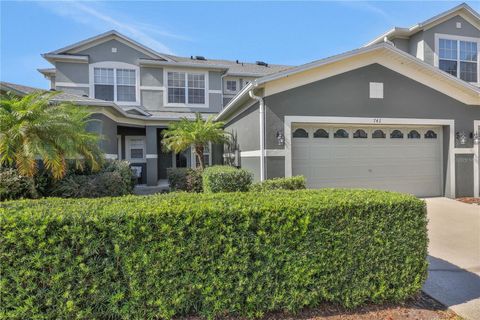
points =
(476, 137)
(462, 137)
(280, 138)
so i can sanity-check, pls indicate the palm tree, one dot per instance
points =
(33, 128)
(197, 133)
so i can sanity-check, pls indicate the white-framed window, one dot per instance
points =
(186, 88)
(207, 158)
(458, 56)
(231, 85)
(115, 81)
(136, 149)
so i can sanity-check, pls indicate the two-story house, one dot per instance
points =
(401, 113)
(136, 92)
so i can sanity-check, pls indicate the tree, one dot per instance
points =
(197, 133)
(33, 128)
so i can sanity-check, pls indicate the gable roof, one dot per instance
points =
(464, 10)
(382, 53)
(106, 36)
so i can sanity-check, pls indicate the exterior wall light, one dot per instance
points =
(476, 138)
(462, 137)
(280, 138)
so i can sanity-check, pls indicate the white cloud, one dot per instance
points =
(369, 7)
(91, 14)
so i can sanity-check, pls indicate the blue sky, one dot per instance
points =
(276, 32)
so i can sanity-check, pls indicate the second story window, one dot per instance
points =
(186, 88)
(117, 85)
(459, 58)
(104, 84)
(232, 85)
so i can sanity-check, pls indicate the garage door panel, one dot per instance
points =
(403, 165)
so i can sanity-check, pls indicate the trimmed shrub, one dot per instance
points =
(226, 179)
(185, 179)
(291, 183)
(114, 179)
(214, 255)
(15, 186)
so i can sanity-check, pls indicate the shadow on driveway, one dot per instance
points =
(454, 286)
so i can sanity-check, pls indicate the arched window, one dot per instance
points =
(340, 133)
(320, 133)
(360, 134)
(430, 134)
(378, 134)
(413, 134)
(396, 134)
(300, 133)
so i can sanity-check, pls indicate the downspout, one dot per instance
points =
(261, 103)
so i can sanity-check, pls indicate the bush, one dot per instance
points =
(15, 186)
(185, 179)
(226, 179)
(291, 183)
(114, 179)
(242, 254)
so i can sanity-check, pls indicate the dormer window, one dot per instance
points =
(458, 56)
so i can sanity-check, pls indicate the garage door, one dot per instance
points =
(403, 159)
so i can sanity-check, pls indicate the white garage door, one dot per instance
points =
(403, 159)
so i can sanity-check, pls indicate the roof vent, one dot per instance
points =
(261, 63)
(200, 58)
(236, 61)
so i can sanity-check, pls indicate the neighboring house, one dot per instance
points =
(401, 113)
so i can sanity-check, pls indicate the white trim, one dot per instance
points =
(258, 153)
(127, 149)
(464, 151)
(53, 57)
(109, 35)
(119, 146)
(421, 50)
(115, 65)
(152, 88)
(215, 91)
(450, 176)
(250, 154)
(152, 156)
(72, 84)
(476, 162)
(111, 156)
(436, 57)
(186, 104)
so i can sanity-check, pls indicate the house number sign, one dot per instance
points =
(377, 120)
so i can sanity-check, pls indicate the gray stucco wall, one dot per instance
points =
(108, 129)
(151, 77)
(447, 27)
(215, 80)
(413, 44)
(401, 44)
(274, 167)
(81, 91)
(71, 72)
(103, 52)
(152, 99)
(247, 128)
(464, 175)
(347, 95)
(252, 165)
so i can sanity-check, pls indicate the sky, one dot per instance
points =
(290, 33)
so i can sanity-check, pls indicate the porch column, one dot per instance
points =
(152, 156)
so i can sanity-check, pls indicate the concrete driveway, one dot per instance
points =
(454, 255)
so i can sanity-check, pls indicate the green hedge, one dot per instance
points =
(208, 254)
(291, 183)
(15, 186)
(185, 179)
(226, 179)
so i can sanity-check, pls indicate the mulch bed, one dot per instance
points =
(470, 200)
(421, 307)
